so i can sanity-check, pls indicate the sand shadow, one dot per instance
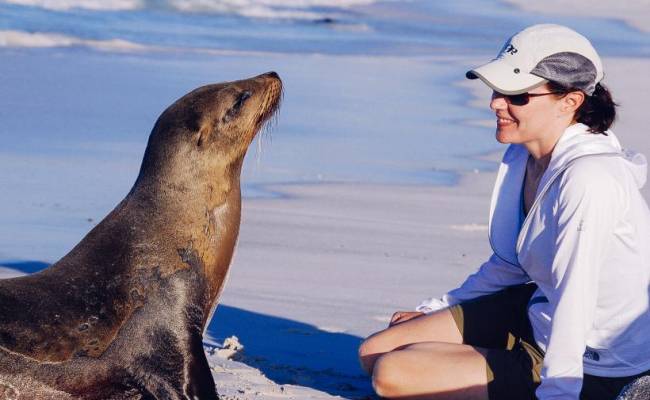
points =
(292, 352)
(26, 267)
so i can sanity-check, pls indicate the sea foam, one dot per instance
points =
(272, 9)
(37, 39)
(98, 5)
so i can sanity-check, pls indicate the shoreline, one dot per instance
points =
(629, 127)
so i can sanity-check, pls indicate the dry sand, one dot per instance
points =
(327, 265)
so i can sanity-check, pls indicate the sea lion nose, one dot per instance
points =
(271, 74)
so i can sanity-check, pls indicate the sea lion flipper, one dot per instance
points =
(201, 384)
(172, 383)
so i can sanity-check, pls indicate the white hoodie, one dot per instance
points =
(586, 244)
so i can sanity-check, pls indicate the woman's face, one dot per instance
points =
(535, 121)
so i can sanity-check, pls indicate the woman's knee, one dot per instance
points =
(386, 380)
(434, 369)
(378, 344)
(369, 351)
(391, 377)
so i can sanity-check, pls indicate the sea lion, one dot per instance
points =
(122, 315)
(638, 389)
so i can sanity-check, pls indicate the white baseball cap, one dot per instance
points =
(542, 53)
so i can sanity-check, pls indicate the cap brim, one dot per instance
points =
(502, 78)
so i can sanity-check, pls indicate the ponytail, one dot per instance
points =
(598, 110)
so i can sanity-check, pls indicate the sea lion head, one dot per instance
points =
(199, 142)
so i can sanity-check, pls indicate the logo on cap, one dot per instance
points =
(511, 50)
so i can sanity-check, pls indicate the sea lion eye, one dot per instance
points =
(234, 110)
(241, 99)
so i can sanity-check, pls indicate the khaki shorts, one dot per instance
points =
(499, 322)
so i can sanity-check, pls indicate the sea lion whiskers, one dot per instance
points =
(266, 129)
(268, 115)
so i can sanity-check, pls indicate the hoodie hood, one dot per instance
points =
(506, 214)
(577, 142)
(638, 165)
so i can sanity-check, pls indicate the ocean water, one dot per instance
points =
(297, 26)
(371, 94)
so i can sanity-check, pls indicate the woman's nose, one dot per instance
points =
(498, 102)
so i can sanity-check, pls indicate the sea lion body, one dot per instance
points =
(122, 315)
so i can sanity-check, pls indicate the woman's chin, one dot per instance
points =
(503, 137)
(508, 133)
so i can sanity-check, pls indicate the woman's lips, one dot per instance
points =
(505, 121)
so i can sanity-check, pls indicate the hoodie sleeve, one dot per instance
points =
(494, 275)
(587, 207)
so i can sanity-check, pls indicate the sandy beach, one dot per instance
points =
(320, 266)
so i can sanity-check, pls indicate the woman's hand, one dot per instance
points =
(403, 316)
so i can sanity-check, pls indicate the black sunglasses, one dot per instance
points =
(520, 99)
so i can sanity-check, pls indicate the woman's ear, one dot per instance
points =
(572, 101)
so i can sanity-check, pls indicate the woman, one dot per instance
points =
(560, 310)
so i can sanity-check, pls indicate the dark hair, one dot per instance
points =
(598, 111)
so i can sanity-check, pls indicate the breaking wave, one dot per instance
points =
(281, 9)
(97, 5)
(37, 39)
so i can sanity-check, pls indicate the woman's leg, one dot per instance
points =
(435, 327)
(464, 351)
(432, 371)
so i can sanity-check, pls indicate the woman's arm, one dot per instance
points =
(494, 275)
(589, 203)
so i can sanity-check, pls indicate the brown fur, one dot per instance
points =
(121, 316)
